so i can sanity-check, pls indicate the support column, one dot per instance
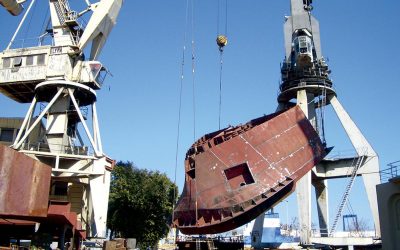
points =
(61, 238)
(360, 143)
(303, 192)
(371, 180)
(303, 186)
(256, 233)
(321, 192)
(99, 193)
(371, 164)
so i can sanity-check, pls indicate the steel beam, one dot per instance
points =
(362, 146)
(303, 187)
(39, 118)
(321, 193)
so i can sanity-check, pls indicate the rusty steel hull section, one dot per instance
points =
(24, 185)
(235, 174)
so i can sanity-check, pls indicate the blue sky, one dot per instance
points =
(138, 106)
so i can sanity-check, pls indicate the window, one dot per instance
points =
(7, 134)
(239, 176)
(6, 62)
(60, 188)
(17, 62)
(95, 68)
(29, 60)
(40, 59)
(296, 45)
(101, 76)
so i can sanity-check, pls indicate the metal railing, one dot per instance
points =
(295, 77)
(32, 42)
(58, 149)
(84, 110)
(47, 38)
(392, 171)
(342, 154)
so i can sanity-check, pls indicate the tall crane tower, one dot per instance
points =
(60, 83)
(306, 82)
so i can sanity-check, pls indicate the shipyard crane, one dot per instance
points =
(60, 83)
(305, 82)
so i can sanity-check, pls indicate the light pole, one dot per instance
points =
(287, 217)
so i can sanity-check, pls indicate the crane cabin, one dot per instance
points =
(302, 49)
(23, 68)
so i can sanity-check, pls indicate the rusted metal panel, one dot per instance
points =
(17, 222)
(60, 213)
(235, 174)
(24, 185)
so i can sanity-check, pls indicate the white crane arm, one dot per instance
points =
(102, 21)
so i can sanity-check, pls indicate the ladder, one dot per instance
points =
(62, 9)
(356, 166)
(68, 18)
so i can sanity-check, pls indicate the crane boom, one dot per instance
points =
(100, 25)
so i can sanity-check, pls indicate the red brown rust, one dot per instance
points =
(235, 174)
(24, 185)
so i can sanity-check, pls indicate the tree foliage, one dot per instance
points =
(140, 204)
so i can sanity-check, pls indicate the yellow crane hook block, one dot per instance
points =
(222, 41)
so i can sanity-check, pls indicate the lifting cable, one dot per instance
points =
(46, 22)
(180, 103)
(323, 105)
(193, 72)
(188, 3)
(321, 100)
(222, 41)
(321, 113)
(194, 96)
(353, 219)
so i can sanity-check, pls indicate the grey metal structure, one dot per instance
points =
(389, 206)
(60, 83)
(306, 82)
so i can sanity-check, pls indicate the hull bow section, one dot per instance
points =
(235, 174)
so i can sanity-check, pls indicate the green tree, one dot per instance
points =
(140, 204)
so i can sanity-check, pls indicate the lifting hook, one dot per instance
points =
(222, 41)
